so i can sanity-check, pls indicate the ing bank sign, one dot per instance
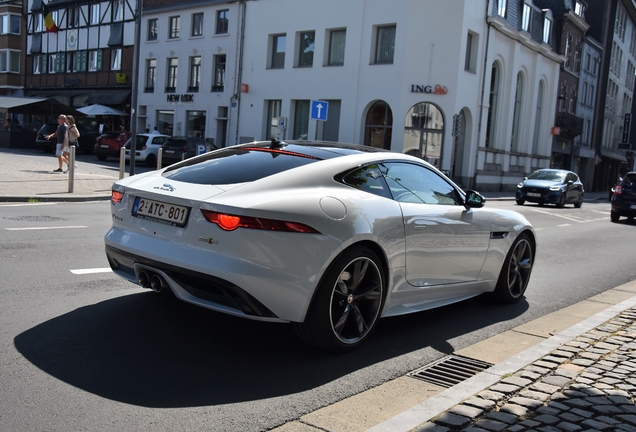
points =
(436, 89)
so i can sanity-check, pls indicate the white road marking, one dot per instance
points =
(577, 219)
(93, 270)
(46, 228)
(564, 225)
(28, 204)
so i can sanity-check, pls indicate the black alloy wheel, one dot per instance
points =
(515, 273)
(348, 302)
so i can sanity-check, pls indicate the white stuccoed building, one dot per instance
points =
(397, 74)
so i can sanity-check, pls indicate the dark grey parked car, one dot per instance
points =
(551, 186)
(176, 149)
(624, 198)
(86, 140)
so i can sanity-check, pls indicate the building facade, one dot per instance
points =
(81, 52)
(189, 62)
(613, 24)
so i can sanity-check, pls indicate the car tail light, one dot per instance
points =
(143, 147)
(618, 189)
(116, 196)
(229, 222)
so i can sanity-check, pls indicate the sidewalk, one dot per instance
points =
(27, 175)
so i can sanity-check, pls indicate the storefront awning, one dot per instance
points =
(613, 154)
(108, 97)
(38, 106)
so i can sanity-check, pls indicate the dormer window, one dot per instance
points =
(579, 9)
(501, 7)
(547, 25)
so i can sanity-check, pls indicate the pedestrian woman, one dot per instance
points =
(72, 136)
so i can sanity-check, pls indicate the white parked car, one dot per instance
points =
(148, 146)
(327, 236)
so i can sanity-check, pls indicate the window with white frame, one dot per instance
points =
(54, 63)
(195, 74)
(174, 26)
(515, 144)
(537, 120)
(70, 62)
(632, 43)
(384, 44)
(94, 12)
(616, 60)
(501, 7)
(38, 23)
(579, 8)
(470, 62)
(218, 80)
(153, 29)
(10, 24)
(547, 29)
(73, 17)
(37, 64)
(197, 24)
(526, 16)
(10, 61)
(630, 76)
(151, 75)
(115, 59)
(277, 60)
(336, 53)
(94, 61)
(273, 113)
(306, 42)
(222, 21)
(118, 10)
(171, 76)
(491, 125)
(620, 24)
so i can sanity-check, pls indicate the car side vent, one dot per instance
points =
(450, 370)
(498, 235)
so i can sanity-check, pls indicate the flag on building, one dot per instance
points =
(49, 22)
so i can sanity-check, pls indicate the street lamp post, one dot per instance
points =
(135, 86)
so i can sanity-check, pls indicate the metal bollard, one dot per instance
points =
(159, 156)
(71, 169)
(122, 162)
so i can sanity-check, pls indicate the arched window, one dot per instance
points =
(379, 125)
(492, 110)
(537, 120)
(424, 132)
(515, 146)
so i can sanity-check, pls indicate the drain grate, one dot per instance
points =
(450, 370)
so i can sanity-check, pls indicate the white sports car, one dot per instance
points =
(327, 236)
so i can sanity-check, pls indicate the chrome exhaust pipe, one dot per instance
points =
(144, 279)
(156, 283)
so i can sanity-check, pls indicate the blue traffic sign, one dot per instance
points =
(319, 110)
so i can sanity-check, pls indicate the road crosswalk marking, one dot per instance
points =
(92, 270)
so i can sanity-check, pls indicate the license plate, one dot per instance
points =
(158, 211)
(104, 146)
(169, 151)
(534, 194)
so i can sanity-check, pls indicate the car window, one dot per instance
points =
(417, 184)
(159, 140)
(629, 180)
(369, 179)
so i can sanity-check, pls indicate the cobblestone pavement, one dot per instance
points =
(587, 384)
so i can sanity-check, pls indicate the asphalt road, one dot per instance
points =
(81, 349)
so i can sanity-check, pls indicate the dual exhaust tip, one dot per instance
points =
(151, 280)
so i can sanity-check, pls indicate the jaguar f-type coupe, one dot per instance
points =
(329, 237)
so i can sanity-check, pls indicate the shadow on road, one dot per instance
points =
(155, 351)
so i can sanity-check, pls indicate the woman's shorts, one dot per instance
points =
(66, 149)
(58, 149)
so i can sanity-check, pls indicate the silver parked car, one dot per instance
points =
(327, 236)
(147, 148)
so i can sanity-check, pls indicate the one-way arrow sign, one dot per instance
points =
(319, 110)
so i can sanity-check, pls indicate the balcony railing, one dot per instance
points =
(571, 125)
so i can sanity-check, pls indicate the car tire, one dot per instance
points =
(614, 216)
(347, 304)
(561, 202)
(101, 157)
(516, 270)
(520, 202)
(579, 203)
(151, 161)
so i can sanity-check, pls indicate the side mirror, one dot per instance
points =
(474, 199)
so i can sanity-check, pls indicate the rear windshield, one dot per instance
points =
(629, 180)
(175, 143)
(248, 163)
